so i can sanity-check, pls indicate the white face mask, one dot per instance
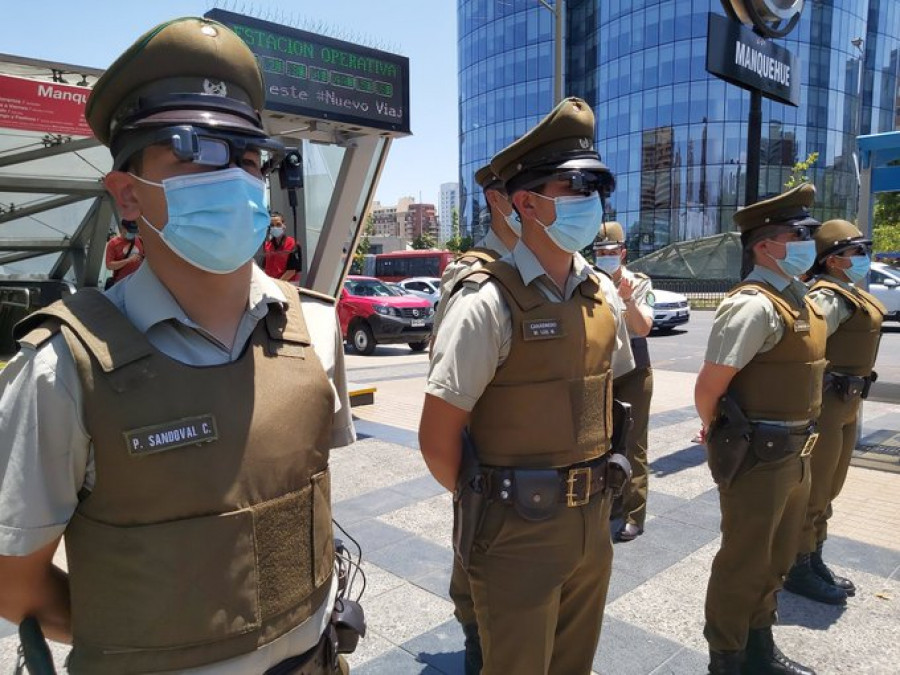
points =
(277, 232)
(608, 263)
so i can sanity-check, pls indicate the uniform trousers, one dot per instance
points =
(461, 592)
(636, 388)
(829, 463)
(540, 588)
(762, 515)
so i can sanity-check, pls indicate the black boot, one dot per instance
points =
(819, 567)
(764, 658)
(725, 663)
(803, 580)
(473, 660)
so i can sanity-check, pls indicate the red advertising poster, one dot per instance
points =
(50, 107)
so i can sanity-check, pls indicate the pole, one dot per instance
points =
(754, 144)
(559, 12)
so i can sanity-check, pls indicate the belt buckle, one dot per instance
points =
(572, 496)
(810, 443)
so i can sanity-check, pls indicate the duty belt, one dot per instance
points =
(320, 660)
(850, 386)
(573, 486)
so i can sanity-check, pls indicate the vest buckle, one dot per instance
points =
(578, 483)
(810, 444)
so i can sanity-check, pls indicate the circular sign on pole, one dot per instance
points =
(770, 18)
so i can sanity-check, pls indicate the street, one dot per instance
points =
(680, 350)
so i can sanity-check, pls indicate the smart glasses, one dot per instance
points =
(587, 182)
(856, 248)
(206, 147)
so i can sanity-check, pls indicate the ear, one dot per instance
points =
(494, 198)
(525, 203)
(121, 188)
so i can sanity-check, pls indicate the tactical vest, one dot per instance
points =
(784, 383)
(208, 532)
(549, 402)
(853, 347)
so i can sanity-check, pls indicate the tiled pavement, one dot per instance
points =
(386, 499)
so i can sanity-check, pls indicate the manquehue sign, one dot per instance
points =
(739, 56)
(47, 107)
(320, 77)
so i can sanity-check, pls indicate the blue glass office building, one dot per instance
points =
(675, 136)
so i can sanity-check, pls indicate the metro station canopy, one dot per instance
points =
(717, 257)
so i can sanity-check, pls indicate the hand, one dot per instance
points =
(626, 289)
(136, 254)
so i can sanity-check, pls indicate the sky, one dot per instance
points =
(94, 32)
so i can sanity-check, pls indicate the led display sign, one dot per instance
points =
(324, 78)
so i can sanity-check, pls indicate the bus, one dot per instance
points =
(401, 265)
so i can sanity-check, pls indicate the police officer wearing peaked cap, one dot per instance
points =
(762, 380)
(854, 319)
(521, 365)
(635, 292)
(156, 425)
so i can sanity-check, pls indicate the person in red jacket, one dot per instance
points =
(280, 252)
(124, 253)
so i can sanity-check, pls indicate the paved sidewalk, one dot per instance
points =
(386, 499)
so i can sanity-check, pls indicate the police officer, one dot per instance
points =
(766, 355)
(635, 387)
(854, 320)
(158, 427)
(497, 242)
(522, 363)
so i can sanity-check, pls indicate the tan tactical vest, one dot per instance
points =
(549, 402)
(853, 347)
(208, 533)
(784, 383)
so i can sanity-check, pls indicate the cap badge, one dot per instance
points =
(585, 143)
(214, 88)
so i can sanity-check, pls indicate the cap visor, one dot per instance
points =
(204, 118)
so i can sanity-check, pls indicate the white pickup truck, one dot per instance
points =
(884, 284)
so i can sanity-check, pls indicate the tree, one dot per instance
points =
(886, 220)
(453, 243)
(424, 241)
(798, 171)
(362, 248)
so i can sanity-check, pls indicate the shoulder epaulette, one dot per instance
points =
(749, 291)
(316, 295)
(38, 335)
(476, 279)
(640, 275)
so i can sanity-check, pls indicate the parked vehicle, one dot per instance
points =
(669, 309)
(371, 313)
(425, 287)
(401, 265)
(884, 284)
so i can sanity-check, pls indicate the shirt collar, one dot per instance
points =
(148, 302)
(492, 241)
(764, 274)
(530, 268)
(840, 282)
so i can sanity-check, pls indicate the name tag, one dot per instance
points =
(801, 326)
(171, 435)
(541, 329)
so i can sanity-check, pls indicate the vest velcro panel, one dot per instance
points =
(853, 347)
(549, 403)
(785, 383)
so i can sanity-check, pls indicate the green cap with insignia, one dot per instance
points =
(837, 235)
(560, 145)
(611, 234)
(191, 70)
(789, 209)
(487, 180)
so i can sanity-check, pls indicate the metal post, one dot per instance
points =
(754, 144)
(559, 12)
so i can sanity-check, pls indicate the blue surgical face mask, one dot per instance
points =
(859, 268)
(217, 220)
(799, 256)
(515, 224)
(608, 263)
(129, 236)
(577, 221)
(277, 232)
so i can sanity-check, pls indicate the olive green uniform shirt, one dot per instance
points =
(46, 455)
(477, 329)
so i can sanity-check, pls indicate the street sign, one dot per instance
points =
(324, 78)
(743, 58)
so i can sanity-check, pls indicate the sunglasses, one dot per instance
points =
(206, 147)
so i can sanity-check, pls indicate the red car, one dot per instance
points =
(372, 313)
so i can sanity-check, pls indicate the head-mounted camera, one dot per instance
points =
(217, 149)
